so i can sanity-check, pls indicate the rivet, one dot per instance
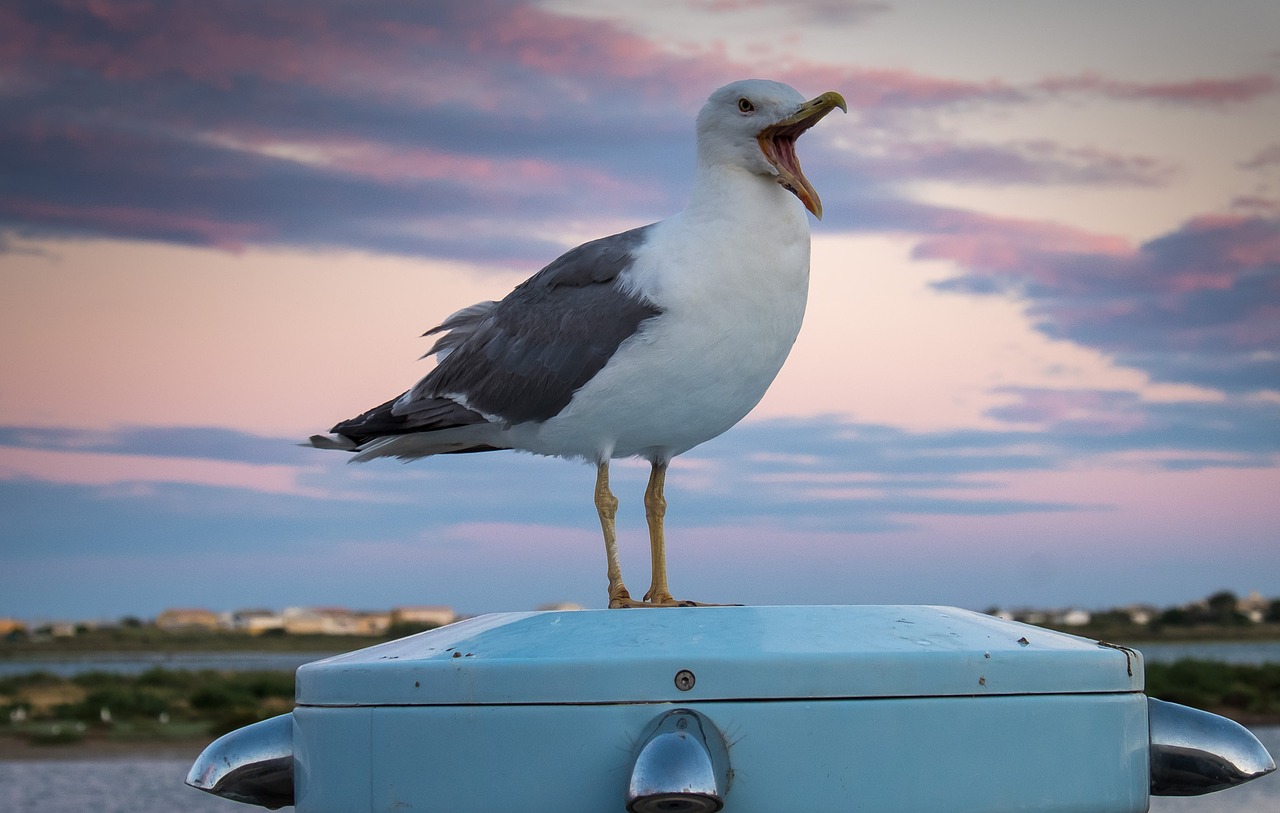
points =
(685, 680)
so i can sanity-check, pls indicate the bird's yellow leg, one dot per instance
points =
(655, 511)
(607, 508)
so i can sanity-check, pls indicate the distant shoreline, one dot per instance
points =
(15, 748)
(133, 642)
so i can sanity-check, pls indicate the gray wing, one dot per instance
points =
(522, 359)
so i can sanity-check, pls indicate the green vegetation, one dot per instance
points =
(1222, 616)
(1118, 628)
(147, 638)
(152, 639)
(157, 704)
(1242, 692)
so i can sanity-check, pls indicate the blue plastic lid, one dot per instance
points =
(719, 653)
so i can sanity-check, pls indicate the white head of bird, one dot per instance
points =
(752, 125)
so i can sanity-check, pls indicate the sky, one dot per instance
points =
(1040, 365)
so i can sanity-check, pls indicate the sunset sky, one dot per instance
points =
(1040, 366)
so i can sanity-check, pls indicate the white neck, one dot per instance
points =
(726, 192)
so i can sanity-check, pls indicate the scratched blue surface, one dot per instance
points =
(736, 653)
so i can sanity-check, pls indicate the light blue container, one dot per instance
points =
(749, 709)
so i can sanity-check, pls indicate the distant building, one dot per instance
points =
(187, 619)
(307, 620)
(1141, 614)
(256, 621)
(334, 621)
(1075, 618)
(1043, 618)
(426, 616)
(371, 623)
(1253, 607)
(8, 625)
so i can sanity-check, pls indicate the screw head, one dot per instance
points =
(685, 680)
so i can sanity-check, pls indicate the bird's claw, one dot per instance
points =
(625, 602)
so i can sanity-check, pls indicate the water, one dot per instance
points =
(155, 786)
(106, 786)
(133, 663)
(1242, 652)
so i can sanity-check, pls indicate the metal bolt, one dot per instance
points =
(685, 680)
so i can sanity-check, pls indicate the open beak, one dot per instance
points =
(778, 143)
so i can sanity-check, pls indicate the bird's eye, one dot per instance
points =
(746, 106)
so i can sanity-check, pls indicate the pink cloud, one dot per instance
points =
(1219, 250)
(1243, 241)
(1007, 244)
(1256, 205)
(342, 49)
(211, 42)
(1147, 512)
(402, 66)
(217, 42)
(1211, 92)
(560, 45)
(133, 474)
(1091, 412)
(209, 230)
(803, 9)
(328, 46)
(324, 46)
(1036, 161)
(871, 88)
(1267, 157)
(1197, 305)
(398, 164)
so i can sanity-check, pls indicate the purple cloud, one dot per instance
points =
(1265, 158)
(1038, 163)
(329, 125)
(1211, 92)
(1074, 412)
(1200, 305)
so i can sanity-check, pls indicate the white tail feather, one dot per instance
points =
(340, 442)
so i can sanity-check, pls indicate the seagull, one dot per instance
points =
(641, 344)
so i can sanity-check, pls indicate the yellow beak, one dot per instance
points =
(778, 143)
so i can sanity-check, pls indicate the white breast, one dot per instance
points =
(732, 294)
